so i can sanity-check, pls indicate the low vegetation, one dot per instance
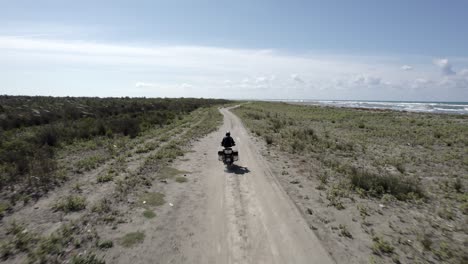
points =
(103, 176)
(380, 246)
(71, 203)
(132, 239)
(149, 214)
(406, 172)
(33, 130)
(180, 179)
(152, 199)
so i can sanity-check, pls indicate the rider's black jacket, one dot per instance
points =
(228, 142)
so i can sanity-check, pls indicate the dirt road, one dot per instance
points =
(225, 216)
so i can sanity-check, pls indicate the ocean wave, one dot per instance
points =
(429, 107)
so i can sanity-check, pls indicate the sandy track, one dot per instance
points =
(226, 216)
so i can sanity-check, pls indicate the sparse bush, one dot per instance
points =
(464, 208)
(443, 252)
(380, 246)
(86, 259)
(106, 177)
(127, 126)
(344, 231)
(4, 207)
(48, 135)
(269, 139)
(446, 213)
(426, 241)
(388, 198)
(71, 203)
(458, 185)
(378, 185)
(89, 163)
(323, 177)
(105, 244)
(103, 206)
(334, 195)
(297, 146)
(6, 250)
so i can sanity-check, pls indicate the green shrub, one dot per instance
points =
(105, 244)
(3, 208)
(458, 185)
(107, 177)
(345, 232)
(380, 246)
(71, 203)
(149, 214)
(6, 250)
(48, 135)
(103, 206)
(378, 185)
(426, 241)
(89, 163)
(132, 239)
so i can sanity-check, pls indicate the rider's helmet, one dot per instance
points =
(228, 133)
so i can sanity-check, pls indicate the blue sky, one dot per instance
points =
(384, 50)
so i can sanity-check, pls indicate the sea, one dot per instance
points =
(411, 106)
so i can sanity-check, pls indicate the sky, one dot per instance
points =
(327, 50)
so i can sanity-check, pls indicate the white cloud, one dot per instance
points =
(445, 66)
(406, 68)
(202, 71)
(367, 80)
(186, 86)
(297, 78)
(261, 79)
(144, 85)
(463, 72)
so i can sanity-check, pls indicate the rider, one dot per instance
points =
(228, 141)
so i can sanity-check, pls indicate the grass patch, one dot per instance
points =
(181, 179)
(132, 239)
(103, 206)
(146, 148)
(71, 203)
(378, 185)
(380, 246)
(3, 208)
(22, 240)
(169, 173)
(89, 163)
(105, 244)
(149, 214)
(86, 259)
(152, 199)
(107, 177)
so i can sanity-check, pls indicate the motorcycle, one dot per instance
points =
(228, 156)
